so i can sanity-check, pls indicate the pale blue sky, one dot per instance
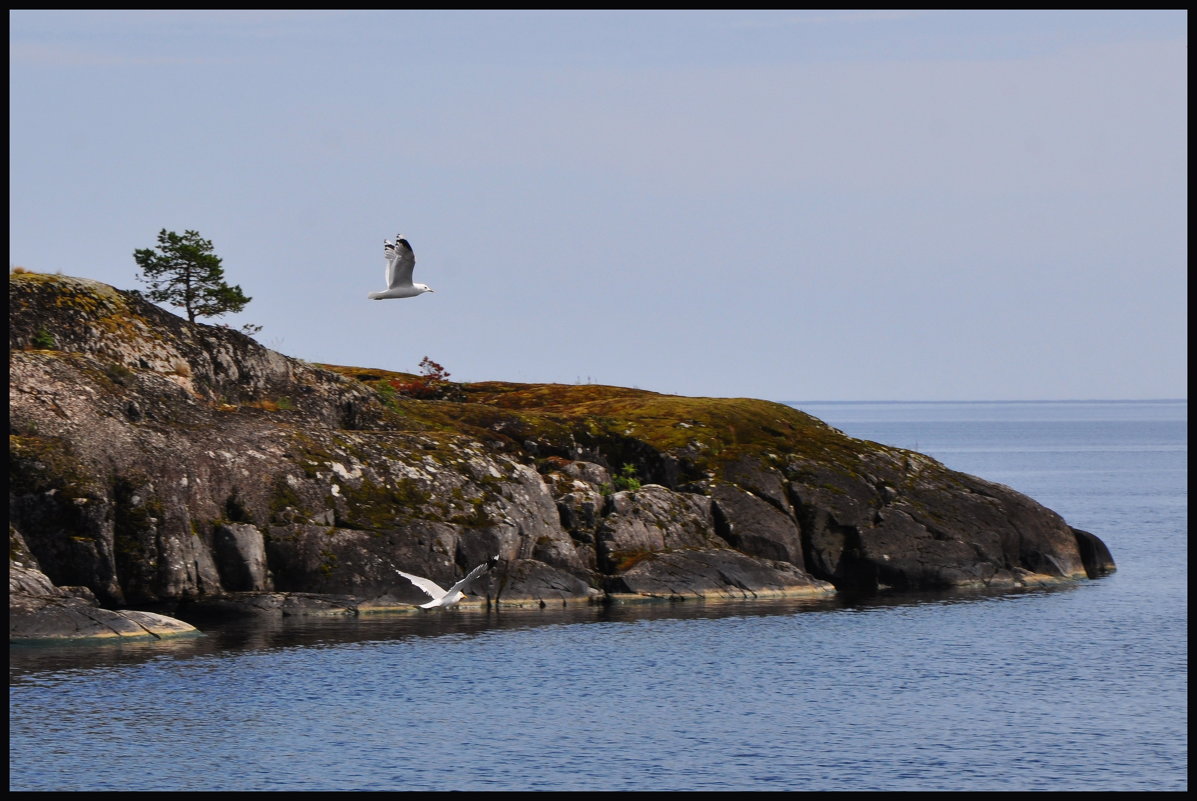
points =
(790, 205)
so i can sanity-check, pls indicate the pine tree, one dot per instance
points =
(185, 272)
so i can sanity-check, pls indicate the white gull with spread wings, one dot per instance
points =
(455, 593)
(400, 262)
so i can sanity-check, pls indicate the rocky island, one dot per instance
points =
(161, 469)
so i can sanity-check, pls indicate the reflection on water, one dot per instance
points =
(265, 634)
(901, 692)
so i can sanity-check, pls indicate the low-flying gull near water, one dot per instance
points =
(400, 262)
(453, 594)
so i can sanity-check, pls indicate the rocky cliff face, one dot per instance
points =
(178, 466)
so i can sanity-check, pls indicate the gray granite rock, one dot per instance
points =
(39, 611)
(714, 573)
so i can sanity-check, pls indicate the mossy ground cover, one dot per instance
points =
(81, 299)
(710, 431)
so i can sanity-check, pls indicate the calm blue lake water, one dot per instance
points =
(1081, 688)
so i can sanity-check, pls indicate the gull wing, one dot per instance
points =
(429, 586)
(388, 253)
(400, 263)
(462, 585)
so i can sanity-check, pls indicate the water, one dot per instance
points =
(1079, 688)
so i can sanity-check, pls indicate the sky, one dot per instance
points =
(786, 205)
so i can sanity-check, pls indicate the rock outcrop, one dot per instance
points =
(175, 466)
(40, 611)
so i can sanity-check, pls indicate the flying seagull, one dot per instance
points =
(400, 262)
(455, 593)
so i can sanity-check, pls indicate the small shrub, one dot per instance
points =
(42, 340)
(181, 368)
(626, 479)
(432, 384)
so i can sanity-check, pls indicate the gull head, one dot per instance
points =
(423, 288)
